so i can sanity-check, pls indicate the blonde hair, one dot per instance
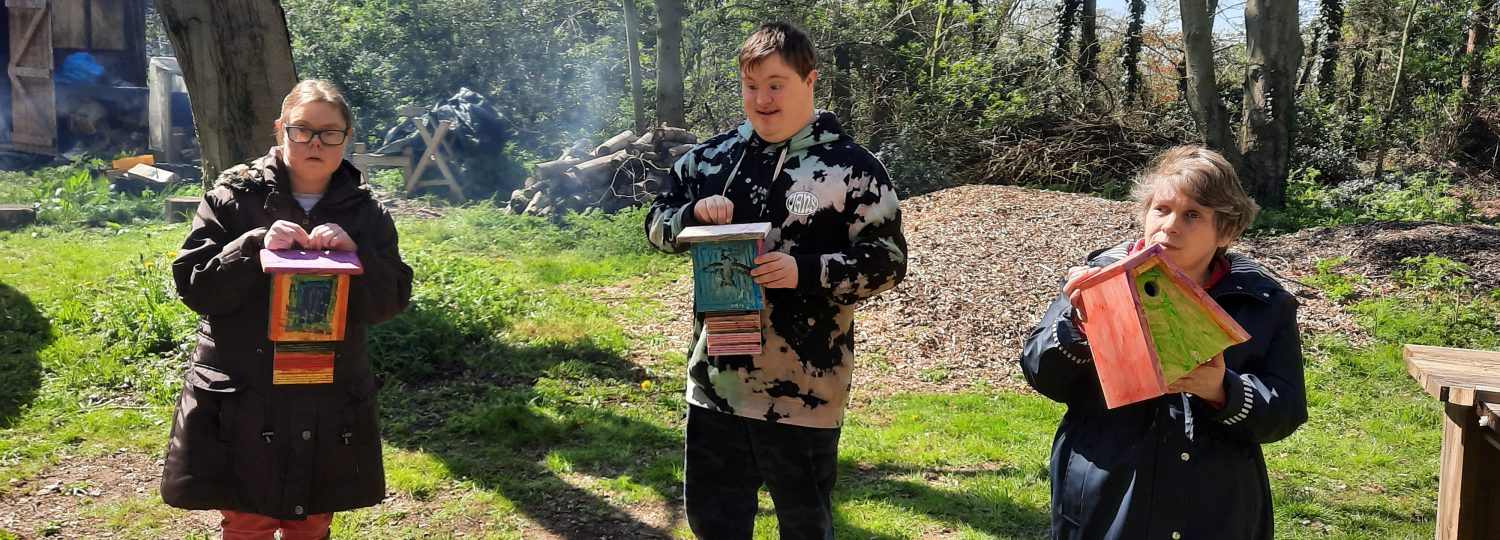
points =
(309, 91)
(1206, 177)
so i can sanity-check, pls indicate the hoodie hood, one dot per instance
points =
(825, 128)
(268, 175)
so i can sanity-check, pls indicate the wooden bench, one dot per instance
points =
(1467, 382)
(364, 160)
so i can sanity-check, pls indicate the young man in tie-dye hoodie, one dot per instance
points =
(774, 418)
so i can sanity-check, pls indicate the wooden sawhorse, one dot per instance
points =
(437, 153)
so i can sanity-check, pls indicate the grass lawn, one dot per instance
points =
(511, 406)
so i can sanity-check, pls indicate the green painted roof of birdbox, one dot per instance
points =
(1182, 329)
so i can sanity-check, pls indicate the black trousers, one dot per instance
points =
(729, 457)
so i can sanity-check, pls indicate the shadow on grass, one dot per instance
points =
(538, 425)
(989, 511)
(23, 333)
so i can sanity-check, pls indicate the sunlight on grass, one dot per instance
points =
(510, 387)
(413, 473)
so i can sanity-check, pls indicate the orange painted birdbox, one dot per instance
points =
(1148, 323)
(309, 292)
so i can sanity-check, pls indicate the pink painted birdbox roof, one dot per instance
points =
(307, 261)
(1153, 255)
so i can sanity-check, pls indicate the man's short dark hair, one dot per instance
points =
(779, 38)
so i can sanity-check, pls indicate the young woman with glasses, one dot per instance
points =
(270, 456)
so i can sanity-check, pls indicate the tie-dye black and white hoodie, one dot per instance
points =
(832, 207)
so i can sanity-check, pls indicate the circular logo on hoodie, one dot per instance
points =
(801, 203)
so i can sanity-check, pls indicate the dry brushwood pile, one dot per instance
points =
(1085, 154)
(615, 174)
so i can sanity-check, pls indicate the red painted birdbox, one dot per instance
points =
(1148, 323)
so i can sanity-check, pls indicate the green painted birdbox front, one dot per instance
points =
(1149, 324)
(721, 276)
(722, 258)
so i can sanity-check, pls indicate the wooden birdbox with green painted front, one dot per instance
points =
(1148, 324)
(724, 293)
(722, 258)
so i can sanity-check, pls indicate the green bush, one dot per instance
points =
(459, 305)
(137, 328)
(1337, 287)
(1422, 196)
(75, 195)
(1431, 304)
(387, 181)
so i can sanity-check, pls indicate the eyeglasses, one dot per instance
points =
(330, 137)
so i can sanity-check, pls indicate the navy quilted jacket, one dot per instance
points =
(1172, 467)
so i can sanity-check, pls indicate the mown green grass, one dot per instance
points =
(510, 405)
(81, 379)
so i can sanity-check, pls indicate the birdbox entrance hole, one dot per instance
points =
(1149, 287)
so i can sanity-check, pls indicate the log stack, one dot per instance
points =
(615, 174)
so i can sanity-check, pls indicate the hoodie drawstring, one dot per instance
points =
(779, 162)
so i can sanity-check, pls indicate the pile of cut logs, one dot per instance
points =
(609, 177)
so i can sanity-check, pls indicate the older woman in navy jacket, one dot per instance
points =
(1187, 464)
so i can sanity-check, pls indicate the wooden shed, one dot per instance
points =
(46, 106)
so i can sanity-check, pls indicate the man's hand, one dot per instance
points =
(284, 234)
(775, 270)
(715, 210)
(1076, 275)
(330, 236)
(1205, 381)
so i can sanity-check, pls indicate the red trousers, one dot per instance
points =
(246, 526)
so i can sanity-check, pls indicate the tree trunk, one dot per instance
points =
(1088, 41)
(1209, 113)
(1358, 71)
(1067, 16)
(1273, 47)
(975, 8)
(1131, 51)
(1182, 81)
(1481, 33)
(1390, 104)
(1473, 137)
(631, 31)
(1333, 32)
(842, 92)
(891, 81)
(669, 100)
(236, 59)
(1307, 64)
(933, 56)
